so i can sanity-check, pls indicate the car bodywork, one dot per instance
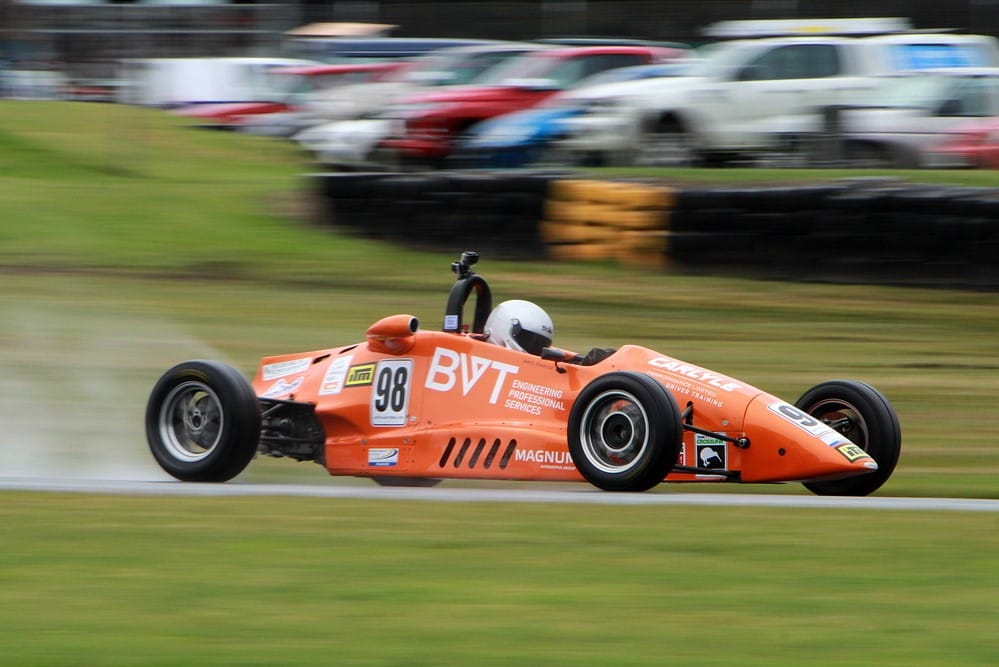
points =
(522, 138)
(458, 65)
(725, 108)
(901, 125)
(428, 125)
(411, 405)
(290, 87)
(969, 145)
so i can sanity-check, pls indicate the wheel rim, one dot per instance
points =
(844, 418)
(191, 421)
(614, 431)
(665, 149)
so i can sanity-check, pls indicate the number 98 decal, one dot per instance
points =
(390, 392)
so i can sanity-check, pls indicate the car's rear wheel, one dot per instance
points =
(625, 432)
(203, 422)
(863, 414)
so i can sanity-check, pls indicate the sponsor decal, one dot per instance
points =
(282, 387)
(807, 423)
(833, 438)
(450, 323)
(702, 375)
(285, 368)
(360, 375)
(852, 452)
(531, 398)
(383, 457)
(335, 376)
(450, 369)
(712, 453)
(545, 459)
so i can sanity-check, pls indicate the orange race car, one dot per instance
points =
(410, 406)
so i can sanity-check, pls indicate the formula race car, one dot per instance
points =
(409, 406)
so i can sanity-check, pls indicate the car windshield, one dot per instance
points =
(927, 91)
(713, 60)
(916, 56)
(455, 68)
(530, 66)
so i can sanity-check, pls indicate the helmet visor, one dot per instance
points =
(529, 341)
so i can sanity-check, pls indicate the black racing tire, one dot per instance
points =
(625, 432)
(863, 414)
(203, 422)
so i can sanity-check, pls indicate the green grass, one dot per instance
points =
(122, 581)
(129, 242)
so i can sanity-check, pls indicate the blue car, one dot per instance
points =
(523, 138)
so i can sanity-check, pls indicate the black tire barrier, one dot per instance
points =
(869, 229)
(491, 211)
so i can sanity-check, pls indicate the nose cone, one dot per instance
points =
(787, 444)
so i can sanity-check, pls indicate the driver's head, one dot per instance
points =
(520, 325)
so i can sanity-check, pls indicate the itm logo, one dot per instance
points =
(362, 374)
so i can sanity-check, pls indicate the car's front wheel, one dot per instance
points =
(203, 422)
(625, 432)
(863, 414)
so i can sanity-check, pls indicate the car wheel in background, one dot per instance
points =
(668, 144)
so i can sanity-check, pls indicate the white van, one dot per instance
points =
(175, 82)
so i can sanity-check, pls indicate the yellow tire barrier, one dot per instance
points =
(607, 220)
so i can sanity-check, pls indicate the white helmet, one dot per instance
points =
(520, 325)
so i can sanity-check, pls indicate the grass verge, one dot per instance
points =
(120, 581)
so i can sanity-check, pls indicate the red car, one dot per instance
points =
(975, 144)
(426, 126)
(290, 84)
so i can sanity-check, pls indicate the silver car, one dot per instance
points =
(900, 125)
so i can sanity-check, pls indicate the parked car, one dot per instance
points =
(31, 84)
(173, 83)
(724, 109)
(349, 122)
(972, 144)
(427, 126)
(343, 49)
(523, 138)
(459, 65)
(347, 144)
(280, 112)
(898, 126)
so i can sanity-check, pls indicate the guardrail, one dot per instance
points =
(863, 230)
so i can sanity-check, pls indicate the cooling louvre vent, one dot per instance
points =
(471, 456)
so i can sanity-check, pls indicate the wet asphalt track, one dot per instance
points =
(467, 495)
